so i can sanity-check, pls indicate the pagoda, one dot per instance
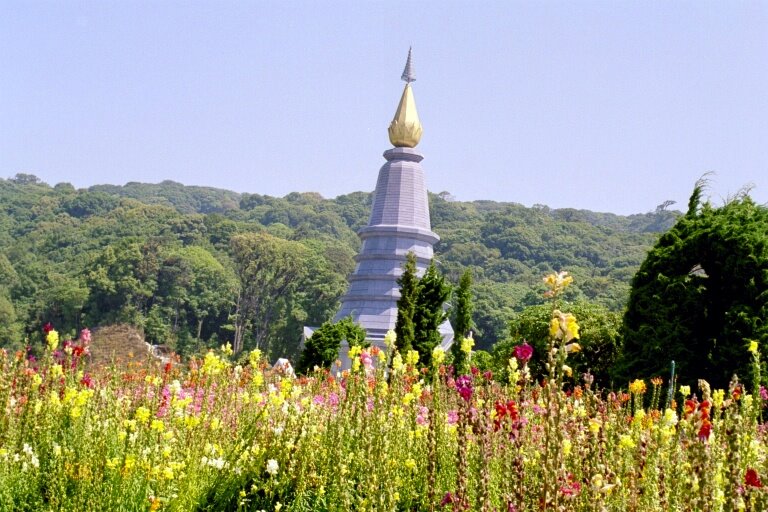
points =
(399, 224)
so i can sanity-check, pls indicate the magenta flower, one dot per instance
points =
(523, 352)
(464, 387)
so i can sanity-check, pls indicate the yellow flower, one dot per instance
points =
(573, 347)
(751, 348)
(390, 338)
(142, 414)
(355, 351)
(567, 447)
(157, 425)
(254, 358)
(564, 325)
(637, 387)
(626, 442)
(168, 473)
(412, 357)
(558, 282)
(571, 327)
(410, 464)
(212, 364)
(226, 349)
(56, 370)
(554, 327)
(397, 363)
(467, 344)
(438, 356)
(52, 339)
(717, 397)
(685, 390)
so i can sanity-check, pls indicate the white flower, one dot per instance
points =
(217, 463)
(272, 467)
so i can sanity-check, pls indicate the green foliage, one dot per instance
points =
(600, 340)
(269, 270)
(431, 293)
(322, 348)
(405, 328)
(53, 237)
(701, 293)
(462, 317)
(482, 360)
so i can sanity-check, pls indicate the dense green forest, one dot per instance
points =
(197, 266)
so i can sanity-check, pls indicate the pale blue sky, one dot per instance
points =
(611, 106)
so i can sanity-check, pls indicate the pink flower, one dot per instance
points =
(85, 336)
(367, 361)
(423, 415)
(452, 417)
(523, 352)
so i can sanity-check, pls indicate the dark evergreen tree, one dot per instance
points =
(462, 318)
(322, 348)
(406, 305)
(432, 292)
(701, 293)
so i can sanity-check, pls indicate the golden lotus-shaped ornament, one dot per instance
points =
(405, 129)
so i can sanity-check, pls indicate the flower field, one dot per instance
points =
(215, 435)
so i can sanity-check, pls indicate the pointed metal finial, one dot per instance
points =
(408, 73)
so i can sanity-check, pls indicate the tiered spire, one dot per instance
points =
(408, 73)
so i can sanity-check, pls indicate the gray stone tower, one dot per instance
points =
(399, 224)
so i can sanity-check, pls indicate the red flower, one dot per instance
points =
(705, 430)
(689, 407)
(48, 327)
(752, 479)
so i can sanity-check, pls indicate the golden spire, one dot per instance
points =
(405, 129)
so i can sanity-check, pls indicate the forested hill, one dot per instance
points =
(196, 266)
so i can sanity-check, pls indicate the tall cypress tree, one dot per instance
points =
(406, 305)
(433, 291)
(462, 318)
